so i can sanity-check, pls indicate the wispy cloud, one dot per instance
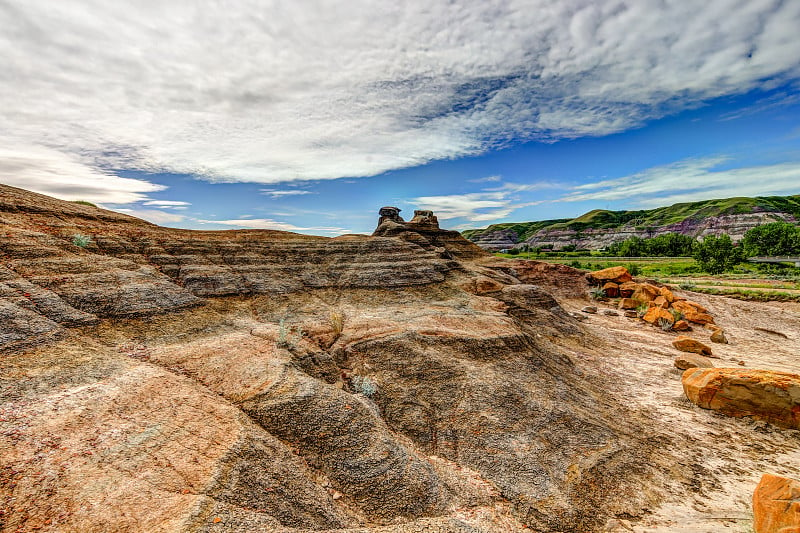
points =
(267, 223)
(60, 174)
(154, 215)
(475, 207)
(275, 193)
(692, 180)
(268, 93)
(168, 204)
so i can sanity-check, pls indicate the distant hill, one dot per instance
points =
(599, 228)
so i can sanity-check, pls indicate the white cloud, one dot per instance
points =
(64, 176)
(251, 91)
(274, 193)
(267, 223)
(168, 204)
(154, 215)
(476, 207)
(692, 180)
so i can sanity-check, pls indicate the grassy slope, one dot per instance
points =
(662, 216)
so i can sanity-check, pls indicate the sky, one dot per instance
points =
(309, 116)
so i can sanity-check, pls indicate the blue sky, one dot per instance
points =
(310, 117)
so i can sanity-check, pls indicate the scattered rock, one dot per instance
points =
(692, 360)
(616, 274)
(611, 289)
(662, 302)
(718, 336)
(761, 394)
(741, 363)
(688, 344)
(667, 294)
(681, 325)
(776, 505)
(655, 313)
(590, 309)
(628, 303)
(579, 316)
(610, 312)
(646, 292)
(631, 314)
(627, 289)
(772, 332)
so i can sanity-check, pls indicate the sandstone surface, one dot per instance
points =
(761, 394)
(776, 505)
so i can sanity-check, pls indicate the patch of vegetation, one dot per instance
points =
(774, 239)
(751, 295)
(596, 293)
(715, 255)
(84, 202)
(363, 385)
(81, 240)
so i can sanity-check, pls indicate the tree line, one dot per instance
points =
(716, 254)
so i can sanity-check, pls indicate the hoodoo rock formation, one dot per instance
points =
(156, 379)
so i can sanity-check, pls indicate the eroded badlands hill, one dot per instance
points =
(174, 380)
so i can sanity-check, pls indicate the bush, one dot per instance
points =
(84, 202)
(81, 240)
(715, 255)
(634, 269)
(363, 385)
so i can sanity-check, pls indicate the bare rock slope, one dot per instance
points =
(173, 380)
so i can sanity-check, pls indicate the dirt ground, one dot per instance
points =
(726, 455)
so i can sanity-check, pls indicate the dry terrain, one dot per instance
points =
(171, 380)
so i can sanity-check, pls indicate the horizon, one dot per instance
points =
(310, 119)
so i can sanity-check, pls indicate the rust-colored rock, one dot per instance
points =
(611, 289)
(618, 274)
(646, 292)
(718, 336)
(662, 302)
(681, 325)
(686, 306)
(699, 318)
(655, 313)
(688, 344)
(761, 394)
(667, 294)
(628, 303)
(692, 360)
(776, 505)
(484, 285)
(627, 289)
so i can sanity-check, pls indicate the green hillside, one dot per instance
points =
(661, 216)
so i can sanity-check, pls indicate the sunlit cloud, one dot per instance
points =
(282, 193)
(267, 223)
(154, 215)
(692, 180)
(269, 93)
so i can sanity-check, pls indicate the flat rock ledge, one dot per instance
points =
(762, 394)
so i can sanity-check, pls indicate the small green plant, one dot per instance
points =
(597, 293)
(665, 324)
(84, 202)
(337, 322)
(363, 385)
(288, 337)
(642, 310)
(686, 286)
(676, 315)
(634, 269)
(81, 240)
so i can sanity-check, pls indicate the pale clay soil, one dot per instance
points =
(727, 455)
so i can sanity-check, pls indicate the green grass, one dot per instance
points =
(751, 295)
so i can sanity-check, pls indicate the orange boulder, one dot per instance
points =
(611, 289)
(776, 505)
(628, 303)
(662, 302)
(688, 344)
(681, 325)
(761, 394)
(627, 289)
(667, 294)
(655, 313)
(618, 274)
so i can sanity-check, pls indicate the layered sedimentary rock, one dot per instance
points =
(399, 383)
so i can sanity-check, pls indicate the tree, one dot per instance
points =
(717, 254)
(774, 239)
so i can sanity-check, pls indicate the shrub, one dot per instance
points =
(363, 385)
(84, 202)
(337, 322)
(665, 324)
(287, 336)
(676, 315)
(774, 239)
(81, 240)
(687, 286)
(642, 310)
(634, 269)
(596, 293)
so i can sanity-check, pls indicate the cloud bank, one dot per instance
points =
(272, 92)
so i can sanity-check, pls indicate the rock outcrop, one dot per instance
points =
(761, 394)
(686, 361)
(776, 505)
(688, 344)
(163, 379)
